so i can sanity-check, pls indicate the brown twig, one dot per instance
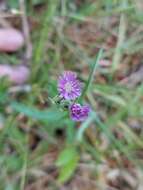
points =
(28, 53)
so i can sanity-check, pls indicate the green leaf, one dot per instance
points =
(67, 162)
(50, 115)
(66, 156)
(68, 170)
(92, 73)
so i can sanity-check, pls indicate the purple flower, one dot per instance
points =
(78, 112)
(68, 86)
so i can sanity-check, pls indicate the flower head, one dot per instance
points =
(78, 112)
(68, 85)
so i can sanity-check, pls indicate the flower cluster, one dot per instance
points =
(69, 88)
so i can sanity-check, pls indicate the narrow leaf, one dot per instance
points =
(68, 170)
(67, 163)
(50, 115)
(66, 156)
(92, 73)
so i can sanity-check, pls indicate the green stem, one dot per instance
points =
(91, 76)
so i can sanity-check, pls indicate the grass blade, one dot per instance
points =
(92, 73)
(121, 37)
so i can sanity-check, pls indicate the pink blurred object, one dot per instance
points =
(105, 63)
(16, 74)
(10, 40)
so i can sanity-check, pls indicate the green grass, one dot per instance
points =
(112, 105)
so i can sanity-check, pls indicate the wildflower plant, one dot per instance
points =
(70, 89)
(71, 94)
(71, 97)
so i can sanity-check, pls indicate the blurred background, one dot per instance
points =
(40, 149)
